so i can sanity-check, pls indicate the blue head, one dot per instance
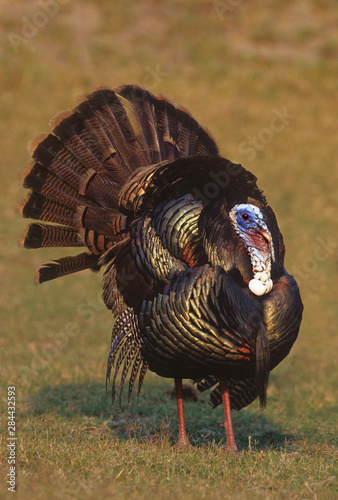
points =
(247, 220)
(248, 217)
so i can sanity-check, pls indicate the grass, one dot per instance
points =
(232, 68)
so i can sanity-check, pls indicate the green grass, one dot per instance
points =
(232, 70)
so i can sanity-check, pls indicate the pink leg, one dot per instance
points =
(182, 435)
(230, 445)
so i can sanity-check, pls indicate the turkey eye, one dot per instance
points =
(245, 216)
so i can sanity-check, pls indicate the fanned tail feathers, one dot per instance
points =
(79, 169)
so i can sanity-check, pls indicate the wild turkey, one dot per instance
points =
(193, 253)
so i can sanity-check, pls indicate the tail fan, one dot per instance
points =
(79, 170)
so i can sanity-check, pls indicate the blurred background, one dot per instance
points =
(262, 77)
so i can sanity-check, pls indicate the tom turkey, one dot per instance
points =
(193, 253)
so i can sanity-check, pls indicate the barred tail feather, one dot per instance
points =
(67, 265)
(79, 170)
(46, 235)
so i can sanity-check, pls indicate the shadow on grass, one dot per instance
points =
(156, 417)
(71, 400)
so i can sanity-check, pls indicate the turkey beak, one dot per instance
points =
(266, 235)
